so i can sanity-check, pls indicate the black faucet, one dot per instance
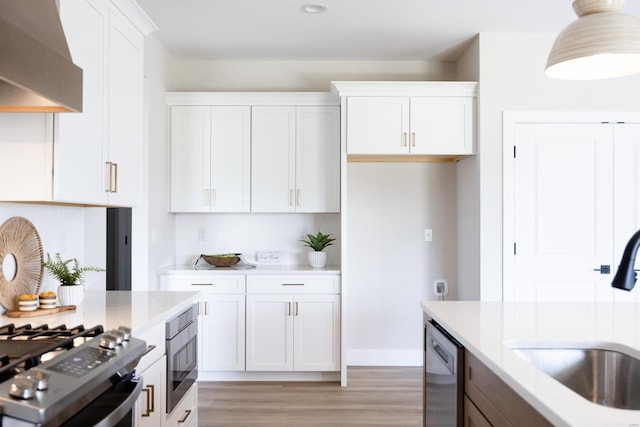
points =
(625, 277)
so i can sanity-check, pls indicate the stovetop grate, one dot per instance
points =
(22, 347)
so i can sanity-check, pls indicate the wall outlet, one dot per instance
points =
(440, 287)
(428, 234)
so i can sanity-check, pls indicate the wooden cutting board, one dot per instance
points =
(39, 311)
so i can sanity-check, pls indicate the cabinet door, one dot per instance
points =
(269, 333)
(273, 159)
(230, 159)
(442, 125)
(318, 159)
(190, 159)
(316, 333)
(124, 95)
(79, 137)
(222, 335)
(377, 125)
(149, 408)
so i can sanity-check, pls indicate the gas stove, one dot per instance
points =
(59, 375)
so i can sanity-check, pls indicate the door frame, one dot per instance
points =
(509, 121)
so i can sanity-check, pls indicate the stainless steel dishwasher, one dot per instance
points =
(443, 383)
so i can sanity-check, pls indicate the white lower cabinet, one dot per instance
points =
(221, 335)
(150, 406)
(293, 323)
(186, 413)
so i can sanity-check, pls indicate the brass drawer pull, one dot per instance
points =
(184, 419)
(292, 284)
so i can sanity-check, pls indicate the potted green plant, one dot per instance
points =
(317, 258)
(70, 276)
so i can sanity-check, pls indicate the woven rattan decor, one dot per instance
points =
(18, 237)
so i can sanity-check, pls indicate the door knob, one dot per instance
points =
(604, 269)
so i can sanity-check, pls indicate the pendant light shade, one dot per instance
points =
(603, 43)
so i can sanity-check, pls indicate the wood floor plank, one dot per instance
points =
(375, 396)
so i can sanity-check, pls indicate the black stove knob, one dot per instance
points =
(22, 388)
(108, 341)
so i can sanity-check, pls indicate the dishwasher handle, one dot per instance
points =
(445, 356)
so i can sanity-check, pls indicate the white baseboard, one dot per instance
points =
(267, 376)
(383, 357)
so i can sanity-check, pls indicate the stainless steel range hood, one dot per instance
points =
(36, 70)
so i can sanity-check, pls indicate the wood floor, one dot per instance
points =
(375, 396)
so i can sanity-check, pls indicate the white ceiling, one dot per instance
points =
(349, 30)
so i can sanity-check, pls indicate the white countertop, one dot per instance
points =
(490, 329)
(137, 310)
(204, 268)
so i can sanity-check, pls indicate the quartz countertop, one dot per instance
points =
(491, 329)
(204, 268)
(135, 309)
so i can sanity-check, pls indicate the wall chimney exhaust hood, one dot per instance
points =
(36, 70)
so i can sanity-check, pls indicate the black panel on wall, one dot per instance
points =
(118, 249)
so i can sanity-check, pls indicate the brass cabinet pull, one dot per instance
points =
(153, 398)
(108, 189)
(148, 410)
(115, 181)
(292, 284)
(184, 419)
(404, 139)
(413, 143)
(288, 309)
(206, 308)
(298, 197)
(290, 197)
(297, 309)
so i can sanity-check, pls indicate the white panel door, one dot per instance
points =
(378, 125)
(441, 125)
(626, 187)
(269, 333)
(79, 138)
(273, 132)
(563, 212)
(318, 159)
(190, 158)
(125, 111)
(316, 333)
(223, 333)
(230, 159)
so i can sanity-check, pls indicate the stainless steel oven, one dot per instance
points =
(182, 359)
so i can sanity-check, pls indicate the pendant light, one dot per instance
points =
(602, 43)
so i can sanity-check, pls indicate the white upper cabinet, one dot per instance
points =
(210, 159)
(295, 159)
(409, 118)
(92, 157)
(254, 152)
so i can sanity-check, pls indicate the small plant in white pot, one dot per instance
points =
(70, 276)
(317, 258)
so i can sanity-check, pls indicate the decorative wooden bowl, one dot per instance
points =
(221, 261)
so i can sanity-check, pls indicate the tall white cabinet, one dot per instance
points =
(92, 157)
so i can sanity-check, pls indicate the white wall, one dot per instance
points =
(294, 76)
(391, 267)
(512, 79)
(61, 229)
(159, 236)
(248, 233)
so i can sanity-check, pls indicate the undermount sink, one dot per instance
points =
(601, 375)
